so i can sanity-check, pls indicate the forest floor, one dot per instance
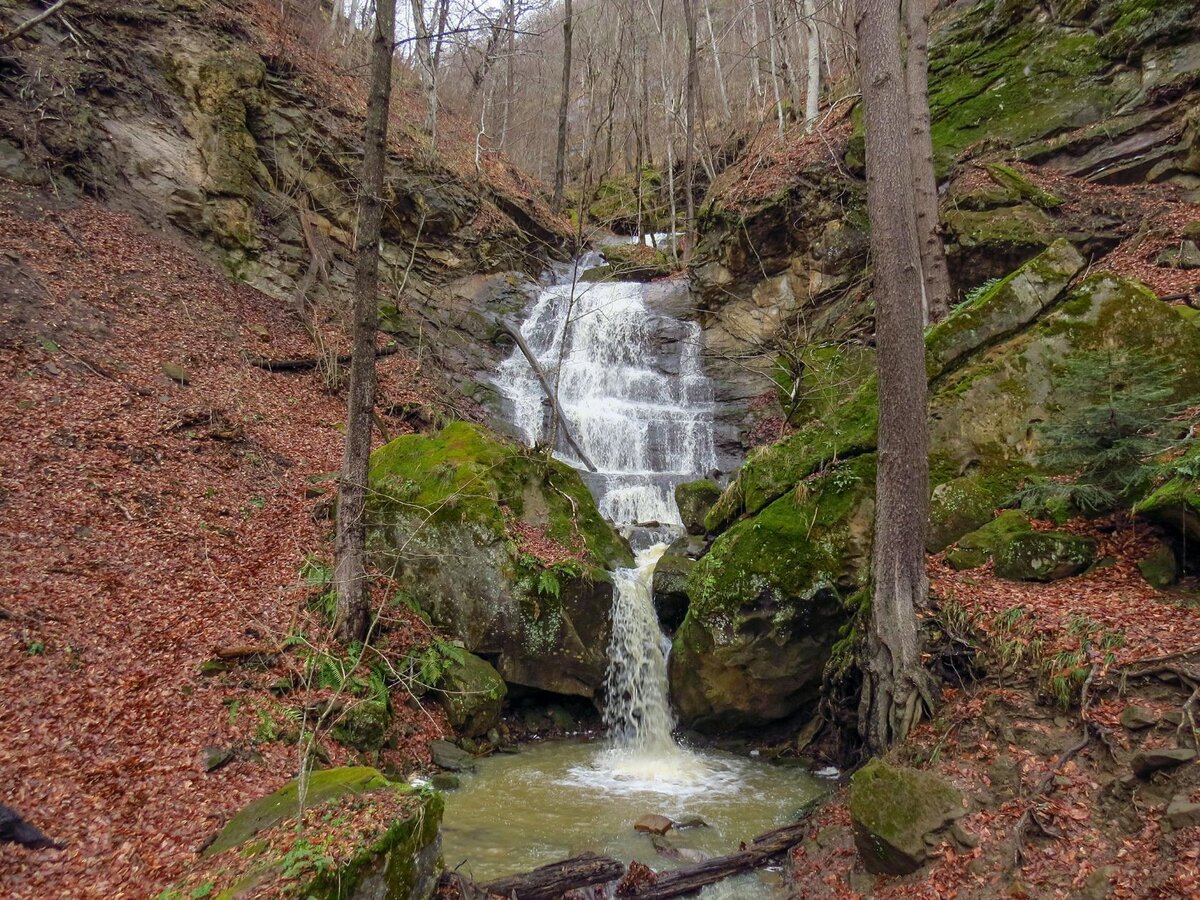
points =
(145, 525)
(1048, 817)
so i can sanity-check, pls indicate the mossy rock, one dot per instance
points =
(228, 96)
(694, 499)
(363, 725)
(635, 262)
(897, 813)
(472, 694)
(767, 603)
(977, 547)
(399, 858)
(598, 273)
(615, 202)
(268, 811)
(1021, 188)
(1159, 566)
(1175, 505)
(671, 578)
(443, 510)
(1004, 309)
(1043, 556)
(961, 505)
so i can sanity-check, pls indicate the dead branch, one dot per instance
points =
(39, 18)
(300, 364)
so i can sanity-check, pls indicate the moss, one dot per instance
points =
(893, 809)
(1159, 567)
(364, 725)
(615, 202)
(323, 785)
(1131, 27)
(1021, 188)
(228, 95)
(635, 262)
(694, 499)
(812, 540)
(472, 693)
(1176, 503)
(958, 506)
(1043, 556)
(463, 475)
(1003, 229)
(977, 547)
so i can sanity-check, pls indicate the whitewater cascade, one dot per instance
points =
(631, 384)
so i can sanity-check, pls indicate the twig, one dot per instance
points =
(39, 18)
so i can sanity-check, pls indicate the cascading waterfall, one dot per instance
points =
(631, 385)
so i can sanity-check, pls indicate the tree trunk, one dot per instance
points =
(895, 686)
(812, 45)
(424, 52)
(935, 275)
(564, 104)
(712, 39)
(350, 570)
(771, 41)
(689, 151)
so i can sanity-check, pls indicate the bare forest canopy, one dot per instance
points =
(500, 64)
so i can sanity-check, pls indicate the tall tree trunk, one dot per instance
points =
(935, 275)
(510, 17)
(689, 152)
(564, 103)
(424, 51)
(895, 686)
(712, 39)
(350, 569)
(812, 46)
(771, 41)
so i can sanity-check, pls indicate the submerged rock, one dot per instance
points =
(653, 823)
(897, 813)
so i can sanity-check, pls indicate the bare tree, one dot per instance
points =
(935, 275)
(895, 685)
(812, 46)
(350, 569)
(689, 140)
(564, 105)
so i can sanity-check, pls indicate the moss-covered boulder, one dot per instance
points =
(671, 580)
(635, 262)
(363, 725)
(977, 547)
(1043, 556)
(357, 836)
(1175, 505)
(1159, 567)
(472, 693)
(767, 603)
(898, 813)
(451, 516)
(961, 505)
(694, 499)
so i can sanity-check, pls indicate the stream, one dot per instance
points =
(632, 386)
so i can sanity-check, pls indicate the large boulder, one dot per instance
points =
(391, 850)
(767, 603)
(694, 499)
(1175, 505)
(1044, 556)
(898, 813)
(977, 547)
(671, 578)
(457, 518)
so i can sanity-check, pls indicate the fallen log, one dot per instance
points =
(548, 882)
(300, 364)
(541, 376)
(681, 882)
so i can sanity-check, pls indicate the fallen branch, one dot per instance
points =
(541, 376)
(687, 881)
(40, 17)
(548, 882)
(301, 364)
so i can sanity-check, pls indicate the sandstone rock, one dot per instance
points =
(1159, 567)
(670, 581)
(1147, 762)
(176, 372)
(363, 725)
(472, 693)
(445, 781)
(1136, 718)
(653, 824)
(440, 513)
(446, 755)
(1044, 556)
(695, 499)
(1182, 813)
(897, 813)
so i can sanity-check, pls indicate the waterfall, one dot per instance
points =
(630, 383)
(632, 387)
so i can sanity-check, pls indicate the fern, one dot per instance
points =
(548, 584)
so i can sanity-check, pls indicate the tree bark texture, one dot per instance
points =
(894, 683)
(935, 275)
(350, 569)
(689, 147)
(564, 105)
